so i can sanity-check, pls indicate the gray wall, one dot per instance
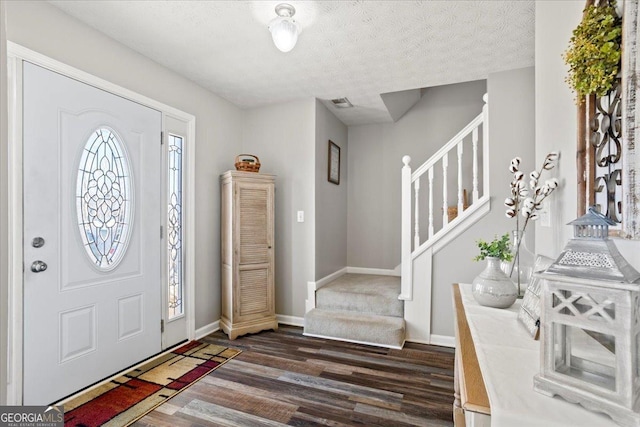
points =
(556, 125)
(283, 137)
(556, 121)
(331, 199)
(511, 134)
(375, 163)
(4, 207)
(45, 29)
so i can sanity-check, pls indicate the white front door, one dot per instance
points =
(92, 216)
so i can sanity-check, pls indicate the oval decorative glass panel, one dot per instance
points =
(103, 199)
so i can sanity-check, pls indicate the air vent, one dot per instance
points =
(342, 103)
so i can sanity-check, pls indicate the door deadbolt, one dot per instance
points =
(37, 242)
(38, 266)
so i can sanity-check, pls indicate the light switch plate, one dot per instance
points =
(545, 214)
(300, 216)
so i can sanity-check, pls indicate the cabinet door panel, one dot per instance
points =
(254, 210)
(254, 293)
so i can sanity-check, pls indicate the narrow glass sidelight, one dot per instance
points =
(104, 194)
(174, 227)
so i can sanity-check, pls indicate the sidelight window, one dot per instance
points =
(174, 227)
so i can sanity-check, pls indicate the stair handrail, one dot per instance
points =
(411, 180)
(445, 149)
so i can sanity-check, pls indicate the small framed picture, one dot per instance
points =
(334, 163)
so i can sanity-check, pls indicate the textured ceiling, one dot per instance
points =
(357, 49)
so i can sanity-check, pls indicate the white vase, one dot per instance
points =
(493, 288)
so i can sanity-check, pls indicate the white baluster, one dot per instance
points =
(475, 164)
(445, 165)
(460, 193)
(416, 238)
(406, 280)
(485, 146)
(430, 202)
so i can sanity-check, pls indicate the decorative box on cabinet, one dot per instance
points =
(247, 216)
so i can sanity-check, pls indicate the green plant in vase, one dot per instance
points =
(497, 248)
(492, 287)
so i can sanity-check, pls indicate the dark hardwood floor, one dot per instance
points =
(284, 378)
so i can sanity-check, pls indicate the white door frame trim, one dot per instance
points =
(16, 55)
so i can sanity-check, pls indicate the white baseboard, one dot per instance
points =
(290, 320)
(376, 271)
(207, 329)
(443, 340)
(330, 278)
(215, 326)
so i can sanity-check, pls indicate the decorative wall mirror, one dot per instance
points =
(608, 128)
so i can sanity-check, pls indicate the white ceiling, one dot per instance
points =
(354, 49)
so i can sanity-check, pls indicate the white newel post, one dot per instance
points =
(406, 289)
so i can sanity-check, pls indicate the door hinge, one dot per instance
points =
(161, 325)
(161, 138)
(161, 232)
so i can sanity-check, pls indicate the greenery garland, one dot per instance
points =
(594, 51)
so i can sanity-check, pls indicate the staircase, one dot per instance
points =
(380, 310)
(359, 308)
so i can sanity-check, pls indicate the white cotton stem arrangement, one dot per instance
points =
(528, 201)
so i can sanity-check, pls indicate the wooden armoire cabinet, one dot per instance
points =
(247, 216)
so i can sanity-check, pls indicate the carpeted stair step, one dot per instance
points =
(385, 331)
(363, 293)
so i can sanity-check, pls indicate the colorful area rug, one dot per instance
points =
(136, 393)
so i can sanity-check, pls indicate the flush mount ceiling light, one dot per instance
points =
(284, 29)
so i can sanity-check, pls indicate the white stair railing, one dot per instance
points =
(412, 246)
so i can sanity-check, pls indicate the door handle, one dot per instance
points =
(38, 266)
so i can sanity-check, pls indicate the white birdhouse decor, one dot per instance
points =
(591, 325)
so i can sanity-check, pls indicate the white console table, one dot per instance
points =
(492, 340)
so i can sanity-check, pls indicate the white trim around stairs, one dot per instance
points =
(312, 287)
(376, 271)
(472, 215)
(443, 340)
(330, 278)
